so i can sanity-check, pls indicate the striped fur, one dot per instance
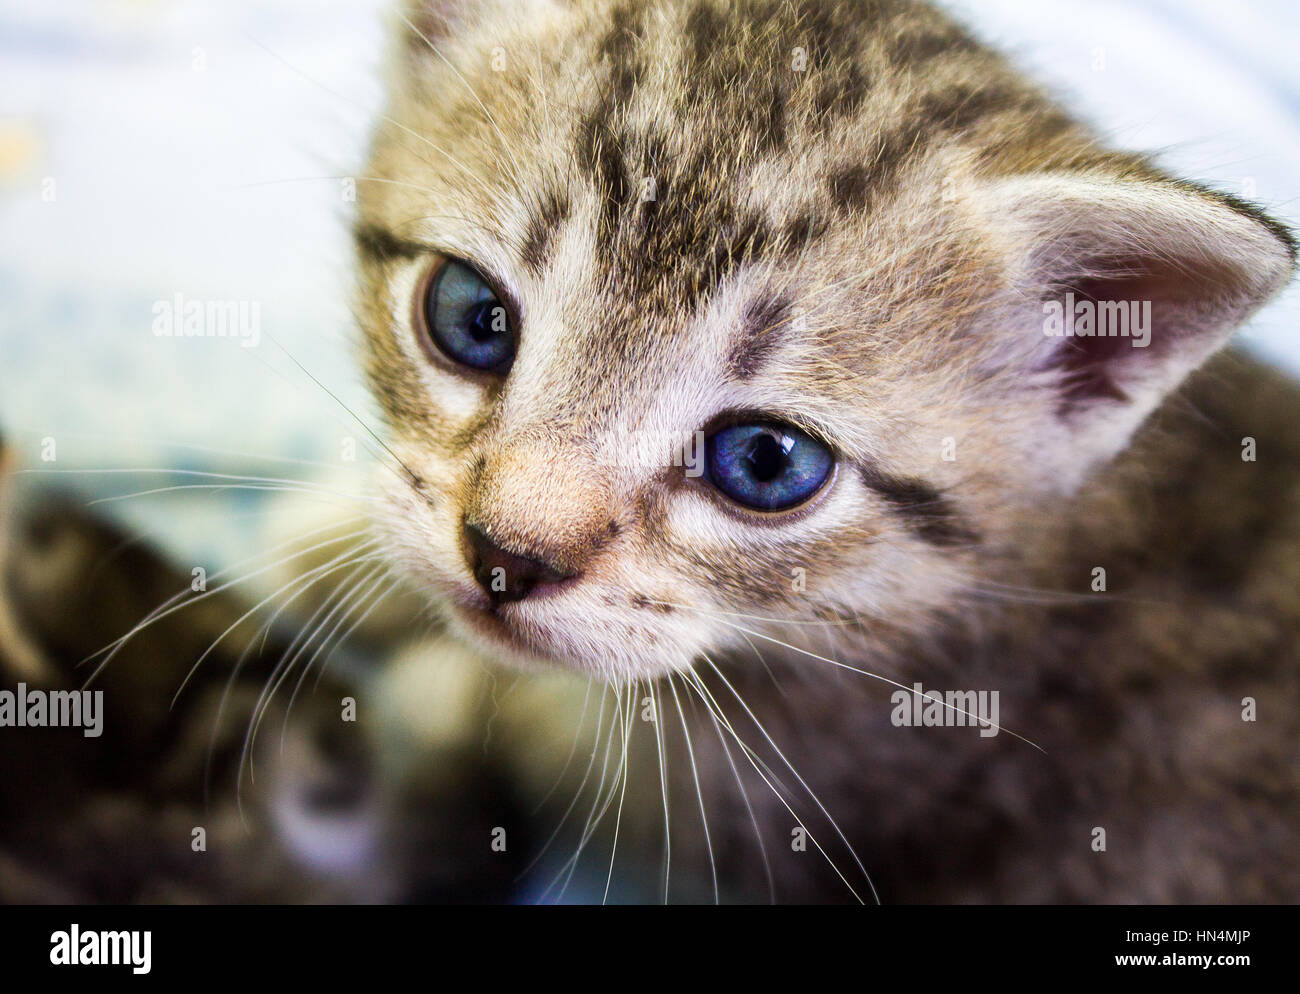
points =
(844, 214)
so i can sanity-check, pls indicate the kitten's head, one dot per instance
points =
(684, 313)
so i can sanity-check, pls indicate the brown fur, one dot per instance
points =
(858, 211)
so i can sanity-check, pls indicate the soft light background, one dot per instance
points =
(197, 148)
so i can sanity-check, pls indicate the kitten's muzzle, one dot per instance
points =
(506, 576)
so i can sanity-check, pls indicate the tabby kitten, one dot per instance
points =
(734, 355)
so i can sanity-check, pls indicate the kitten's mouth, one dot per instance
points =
(529, 636)
(496, 626)
(489, 619)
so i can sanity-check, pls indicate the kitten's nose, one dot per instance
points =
(505, 575)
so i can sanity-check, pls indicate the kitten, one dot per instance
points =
(743, 388)
(740, 356)
(173, 798)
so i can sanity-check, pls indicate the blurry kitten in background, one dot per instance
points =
(174, 798)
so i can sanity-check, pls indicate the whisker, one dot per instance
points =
(755, 761)
(171, 443)
(355, 598)
(324, 570)
(467, 172)
(411, 474)
(287, 659)
(593, 816)
(324, 665)
(172, 471)
(591, 763)
(790, 766)
(169, 606)
(975, 719)
(744, 795)
(325, 495)
(695, 773)
(758, 617)
(573, 749)
(623, 770)
(663, 786)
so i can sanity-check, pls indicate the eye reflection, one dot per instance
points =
(766, 466)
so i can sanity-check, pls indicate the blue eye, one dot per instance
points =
(768, 467)
(466, 320)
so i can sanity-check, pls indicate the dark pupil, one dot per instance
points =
(478, 320)
(767, 458)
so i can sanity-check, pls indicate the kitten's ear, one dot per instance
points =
(1166, 269)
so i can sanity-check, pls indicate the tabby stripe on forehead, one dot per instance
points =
(601, 158)
(547, 216)
(924, 509)
(376, 244)
(744, 243)
(599, 149)
(934, 117)
(759, 336)
(620, 47)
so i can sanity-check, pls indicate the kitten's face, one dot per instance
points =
(592, 237)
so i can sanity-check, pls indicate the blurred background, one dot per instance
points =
(156, 147)
(149, 149)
